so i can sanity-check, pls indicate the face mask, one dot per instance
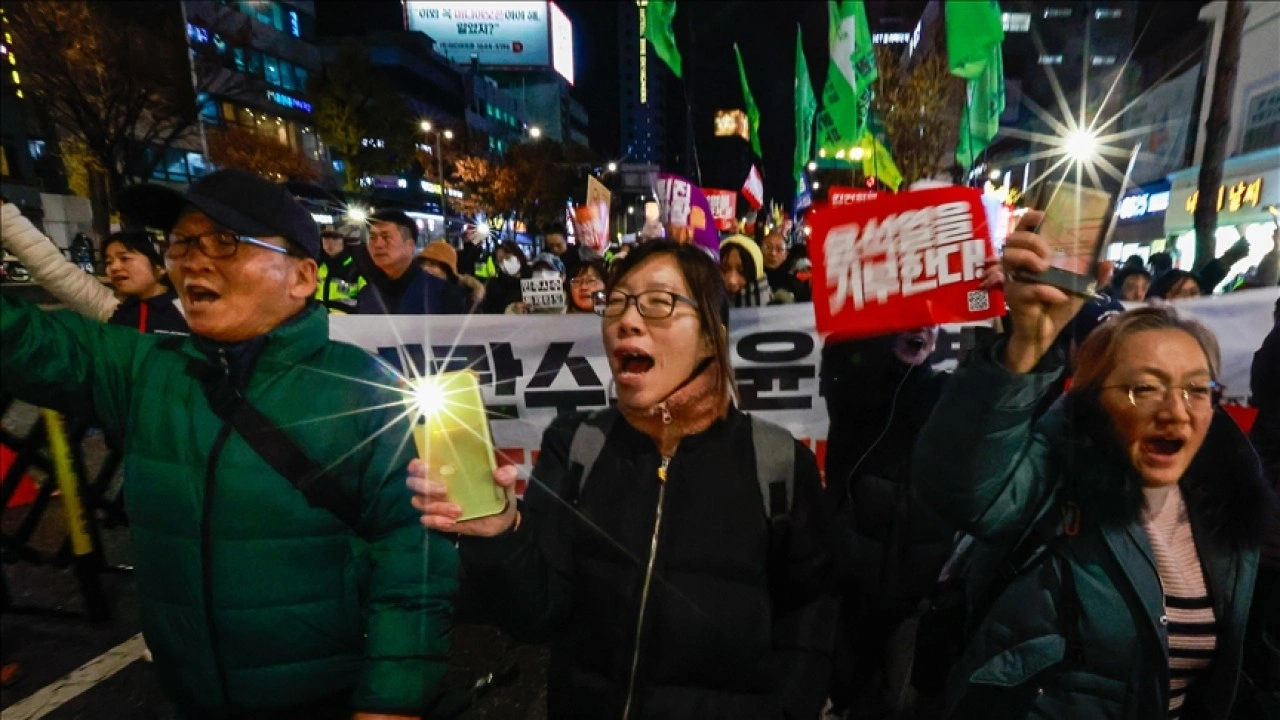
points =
(546, 275)
(511, 265)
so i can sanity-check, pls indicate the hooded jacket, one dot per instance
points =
(252, 599)
(726, 633)
(988, 465)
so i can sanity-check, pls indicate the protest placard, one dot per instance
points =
(686, 213)
(724, 208)
(543, 294)
(899, 262)
(841, 195)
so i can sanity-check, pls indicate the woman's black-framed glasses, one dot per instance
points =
(213, 244)
(651, 304)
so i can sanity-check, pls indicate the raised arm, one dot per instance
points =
(62, 278)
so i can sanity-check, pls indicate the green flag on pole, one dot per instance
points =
(806, 108)
(846, 97)
(753, 112)
(658, 16)
(975, 33)
(983, 106)
(973, 28)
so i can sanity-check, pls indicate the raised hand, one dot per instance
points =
(432, 497)
(1038, 312)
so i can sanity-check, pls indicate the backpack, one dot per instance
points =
(775, 452)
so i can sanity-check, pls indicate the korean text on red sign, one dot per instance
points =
(900, 262)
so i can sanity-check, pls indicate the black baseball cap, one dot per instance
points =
(237, 199)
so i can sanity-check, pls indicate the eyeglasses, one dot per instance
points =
(1149, 397)
(214, 245)
(586, 281)
(651, 304)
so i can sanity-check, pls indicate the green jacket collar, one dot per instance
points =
(287, 344)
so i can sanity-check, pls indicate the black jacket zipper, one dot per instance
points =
(206, 542)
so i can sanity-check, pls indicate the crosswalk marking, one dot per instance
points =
(73, 684)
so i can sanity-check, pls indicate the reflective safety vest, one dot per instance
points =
(486, 269)
(336, 294)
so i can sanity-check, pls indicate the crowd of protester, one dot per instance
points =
(1066, 527)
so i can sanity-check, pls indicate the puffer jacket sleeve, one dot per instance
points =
(521, 578)
(62, 278)
(413, 580)
(69, 363)
(981, 460)
(805, 607)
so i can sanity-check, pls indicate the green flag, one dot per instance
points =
(753, 112)
(878, 162)
(846, 98)
(983, 107)
(658, 16)
(806, 108)
(973, 28)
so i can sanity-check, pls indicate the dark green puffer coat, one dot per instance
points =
(251, 598)
(989, 465)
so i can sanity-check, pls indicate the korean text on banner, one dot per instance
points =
(902, 262)
(839, 195)
(541, 294)
(723, 208)
(686, 212)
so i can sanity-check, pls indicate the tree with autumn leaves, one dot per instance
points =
(919, 107)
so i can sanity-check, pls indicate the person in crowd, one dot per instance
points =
(546, 266)
(620, 254)
(1117, 536)
(338, 278)
(397, 285)
(504, 288)
(262, 595)
(439, 258)
(1217, 269)
(557, 243)
(1134, 283)
(675, 594)
(779, 270)
(473, 260)
(1264, 383)
(584, 286)
(879, 393)
(1159, 264)
(143, 298)
(1176, 285)
(742, 265)
(1267, 273)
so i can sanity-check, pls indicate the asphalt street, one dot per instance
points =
(73, 668)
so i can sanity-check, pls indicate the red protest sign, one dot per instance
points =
(901, 262)
(724, 207)
(840, 195)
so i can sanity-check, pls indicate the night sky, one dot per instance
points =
(706, 32)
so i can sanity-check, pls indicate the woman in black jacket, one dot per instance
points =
(664, 586)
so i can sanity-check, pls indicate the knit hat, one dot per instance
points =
(441, 252)
(750, 246)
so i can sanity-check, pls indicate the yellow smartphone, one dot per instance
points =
(453, 438)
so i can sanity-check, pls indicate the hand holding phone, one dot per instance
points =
(453, 440)
(431, 497)
(1038, 311)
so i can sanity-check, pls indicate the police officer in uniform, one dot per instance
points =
(338, 276)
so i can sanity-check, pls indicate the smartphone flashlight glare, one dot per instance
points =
(429, 395)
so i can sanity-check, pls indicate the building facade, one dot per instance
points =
(642, 89)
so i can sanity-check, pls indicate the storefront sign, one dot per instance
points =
(1143, 204)
(1233, 197)
(288, 101)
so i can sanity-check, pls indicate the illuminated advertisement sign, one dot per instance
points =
(505, 34)
(732, 122)
(288, 101)
(561, 43)
(1143, 204)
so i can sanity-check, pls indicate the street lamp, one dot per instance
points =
(856, 153)
(812, 166)
(816, 185)
(444, 202)
(535, 132)
(612, 167)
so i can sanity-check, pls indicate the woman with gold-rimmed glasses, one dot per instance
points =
(1117, 536)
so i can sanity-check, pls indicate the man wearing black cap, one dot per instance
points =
(397, 285)
(281, 567)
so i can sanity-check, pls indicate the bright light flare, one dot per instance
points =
(1082, 145)
(429, 396)
(813, 166)
(426, 126)
(357, 214)
(612, 167)
(856, 153)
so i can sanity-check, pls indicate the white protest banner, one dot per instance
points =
(532, 367)
(542, 294)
